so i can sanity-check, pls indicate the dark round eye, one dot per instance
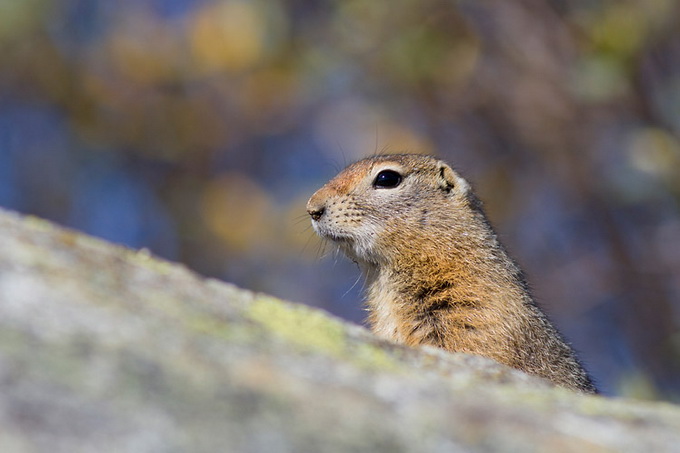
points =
(387, 179)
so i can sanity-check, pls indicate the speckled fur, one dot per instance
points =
(436, 273)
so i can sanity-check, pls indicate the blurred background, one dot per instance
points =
(199, 128)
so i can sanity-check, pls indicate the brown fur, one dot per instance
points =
(435, 271)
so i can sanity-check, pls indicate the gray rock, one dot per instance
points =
(110, 350)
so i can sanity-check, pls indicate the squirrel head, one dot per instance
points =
(377, 207)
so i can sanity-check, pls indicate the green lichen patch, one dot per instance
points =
(372, 356)
(146, 259)
(209, 326)
(309, 329)
(316, 331)
(30, 221)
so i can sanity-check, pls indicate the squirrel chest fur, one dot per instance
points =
(435, 271)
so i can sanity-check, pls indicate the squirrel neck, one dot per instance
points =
(446, 290)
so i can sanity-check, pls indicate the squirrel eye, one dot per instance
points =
(387, 179)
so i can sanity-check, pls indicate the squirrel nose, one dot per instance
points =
(315, 207)
(316, 212)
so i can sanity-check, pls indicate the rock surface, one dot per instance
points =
(109, 350)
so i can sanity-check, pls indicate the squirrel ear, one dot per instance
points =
(447, 178)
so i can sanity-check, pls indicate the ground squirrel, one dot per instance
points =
(435, 271)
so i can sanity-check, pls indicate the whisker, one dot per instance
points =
(375, 147)
(309, 239)
(321, 251)
(343, 154)
(353, 285)
(300, 220)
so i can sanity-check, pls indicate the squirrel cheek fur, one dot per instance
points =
(435, 271)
